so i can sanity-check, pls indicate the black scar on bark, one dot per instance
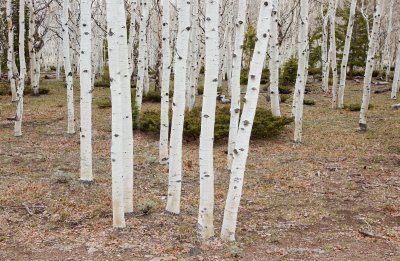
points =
(86, 183)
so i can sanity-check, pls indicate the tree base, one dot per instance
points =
(86, 182)
(362, 127)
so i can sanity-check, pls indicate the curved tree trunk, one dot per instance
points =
(235, 77)
(303, 49)
(246, 123)
(369, 67)
(346, 51)
(178, 108)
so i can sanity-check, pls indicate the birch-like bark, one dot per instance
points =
(32, 51)
(132, 35)
(127, 128)
(10, 52)
(369, 67)
(205, 223)
(67, 69)
(388, 41)
(246, 123)
(274, 62)
(142, 53)
(303, 48)
(235, 77)
(22, 71)
(166, 73)
(325, 53)
(115, 8)
(332, 51)
(395, 83)
(86, 92)
(346, 52)
(178, 108)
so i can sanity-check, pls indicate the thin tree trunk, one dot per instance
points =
(388, 41)
(274, 63)
(332, 50)
(178, 108)
(22, 69)
(114, 9)
(346, 51)
(235, 78)
(166, 73)
(246, 123)
(205, 224)
(10, 52)
(86, 92)
(369, 67)
(32, 50)
(132, 35)
(303, 49)
(395, 84)
(325, 53)
(67, 69)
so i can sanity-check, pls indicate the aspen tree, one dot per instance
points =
(325, 54)
(388, 41)
(166, 73)
(205, 224)
(303, 49)
(32, 51)
(241, 149)
(369, 67)
(67, 68)
(274, 62)
(395, 83)
(178, 108)
(132, 35)
(86, 91)
(332, 51)
(115, 8)
(142, 60)
(235, 77)
(10, 51)
(346, 52)
(22, 71)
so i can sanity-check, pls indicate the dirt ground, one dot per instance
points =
(334, 197)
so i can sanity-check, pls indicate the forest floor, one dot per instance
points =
(334, 197)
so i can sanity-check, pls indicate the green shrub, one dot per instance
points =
(309, 102)
(375, 73)
(314, 71)
(358, 73)
(265, 74)
(263, 81)
(152, 96)
(244, 78)
(104, 103)
(289, 72)
(106, 75)
(355, 106)
(284, 97)
(53, 68)
(265, 125)
(4, 90)
(44, 91)
(285, 89)
(101, 83)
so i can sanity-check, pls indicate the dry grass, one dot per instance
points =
(304, 202)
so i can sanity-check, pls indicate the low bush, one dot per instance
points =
(101, 83)
(104, 103)
(355, 106)
(265, 124)
(152, 96)
(289, 72)
(314, 71)
(283, 89)
(309, 102)
(284, 97)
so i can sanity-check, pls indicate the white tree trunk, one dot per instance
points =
(10, 51)
(132, 35)
(142, 53)
(246, 122)
(205, 223)
(303, 48)
(274, 62)
(395, 84)
(346, 51)
(86, 92)
(235, 77)
(332, 50)
(166, 73)
(127, 135)
(388, 41)
(178, 108)
(67, 69)
(114, 9)
(32, 50)
(369, 67)
(325, 53)
(22, 69)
